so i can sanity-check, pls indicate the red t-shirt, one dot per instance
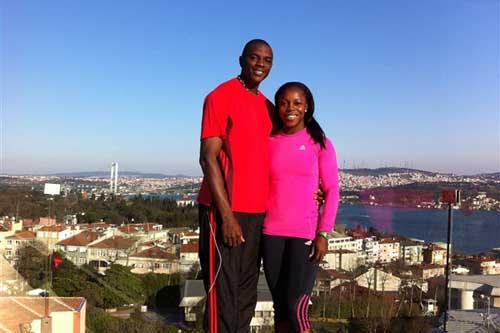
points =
(243, 121)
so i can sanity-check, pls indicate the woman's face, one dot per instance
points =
(292, 107)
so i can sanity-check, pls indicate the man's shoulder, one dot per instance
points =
(223, 89)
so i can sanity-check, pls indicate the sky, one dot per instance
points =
(86, 83)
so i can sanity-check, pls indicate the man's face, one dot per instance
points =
(256, 63)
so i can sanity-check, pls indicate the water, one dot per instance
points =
(474, 232)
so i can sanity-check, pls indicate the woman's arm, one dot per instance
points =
(329, 177)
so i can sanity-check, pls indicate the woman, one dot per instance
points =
(295, 234)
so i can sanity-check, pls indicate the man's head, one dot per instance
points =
(256, 61)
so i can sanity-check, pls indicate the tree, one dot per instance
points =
(121, 287)
(33, 264)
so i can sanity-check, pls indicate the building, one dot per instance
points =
(371, 250)
(140, 228)
(482, 265)
(11, 282)
(115, 249)
(154, 260)
(75, 247)
(469, 292)
(340, 241)
(175, 234)
(46, 221)
(388, 250)
(8, 227)
(50, 235)
(43, 315)
(188, 256)
(326, 280)
(434, 254)
(427, 271)
(342, 260)
(15, 242)
(378, 280)
(189, 236)
(411, 252)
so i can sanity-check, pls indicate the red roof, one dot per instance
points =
(155, 253)
(131, 228)
(22, 235)
(191, 247)
(115, 242)
(334, 274)
(81, 239)
(53, 228)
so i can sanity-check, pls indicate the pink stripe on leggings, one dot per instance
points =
(300, 319)
(305, 313)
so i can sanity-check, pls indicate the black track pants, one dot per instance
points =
(290, 275)
(235, 285)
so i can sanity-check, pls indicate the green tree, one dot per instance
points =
(33, 264)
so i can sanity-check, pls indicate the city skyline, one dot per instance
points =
(89, 83)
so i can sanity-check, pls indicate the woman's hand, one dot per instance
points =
(319, 248)
(319, 196)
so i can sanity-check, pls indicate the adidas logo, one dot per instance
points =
(302, 147)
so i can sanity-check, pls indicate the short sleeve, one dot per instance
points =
(214, 120)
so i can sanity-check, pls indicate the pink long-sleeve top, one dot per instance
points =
(298, 165)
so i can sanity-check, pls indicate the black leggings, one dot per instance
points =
(290, 275)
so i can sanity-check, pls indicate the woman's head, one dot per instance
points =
(294, 104)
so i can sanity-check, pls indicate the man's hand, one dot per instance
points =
(231, 231)
(319, 248)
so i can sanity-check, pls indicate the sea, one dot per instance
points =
(473, 232)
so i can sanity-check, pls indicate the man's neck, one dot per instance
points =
(252, 88)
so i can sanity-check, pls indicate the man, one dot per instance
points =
(234, 157)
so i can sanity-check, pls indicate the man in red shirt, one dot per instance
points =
(235, 129)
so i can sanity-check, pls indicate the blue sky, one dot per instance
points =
(85, 83)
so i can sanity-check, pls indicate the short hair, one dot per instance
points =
(252, 42)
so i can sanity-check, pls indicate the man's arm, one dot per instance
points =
(231, 229)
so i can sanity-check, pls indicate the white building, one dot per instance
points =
(50, 235)
(371, 250)
(340, 241)
(188, 256)
(378, 280)
(411, 252)
(15, 242)
(342, 260)
(75, 248)
(388, 250)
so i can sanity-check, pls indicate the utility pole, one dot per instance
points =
(450, 197)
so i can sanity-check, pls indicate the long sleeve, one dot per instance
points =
(329, 177)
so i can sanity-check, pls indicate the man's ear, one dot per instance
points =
(240, 59)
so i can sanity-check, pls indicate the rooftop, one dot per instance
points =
(53, 228)
(155, 253)
(81, 239)
(22, 235)
(191, 247)
(464, 321)
(15, 311)
(115, 242)
(137, 227)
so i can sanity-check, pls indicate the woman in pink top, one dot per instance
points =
(295, 232)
